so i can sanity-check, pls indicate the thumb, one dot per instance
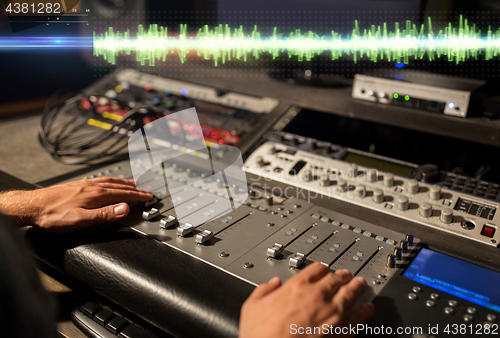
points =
(108, 214)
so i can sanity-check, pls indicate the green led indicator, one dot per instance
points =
(407, 98)
(395, 95)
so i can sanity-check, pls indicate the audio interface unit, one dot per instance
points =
(418, 90)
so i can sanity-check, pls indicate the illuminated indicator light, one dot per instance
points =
(400, 65)
(451, 105)
(99, 124)
(407, 98)
(112, 116)
(184, 91)
(118, 89)
(488, 231)
(169, 104)
(395, 95)
(57, 18)
(148, 87)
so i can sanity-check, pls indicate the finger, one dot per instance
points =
(108, 214)
(117, 186)
(332, 282)
(111, 180)
(266, 288)
(349, 294)
(112, 196)
(312, 273)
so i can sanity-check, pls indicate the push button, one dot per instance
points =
(488, 231)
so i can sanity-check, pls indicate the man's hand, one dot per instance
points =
(312, 298)
(73, 206)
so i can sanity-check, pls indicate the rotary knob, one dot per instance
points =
(425, 210)
(342, 184)
(327, 181)
(391, 261)
(372, 175)
(388, 180)
(402, 203)
(308, 176)
(398, 252)
(404, 246)
(378, 196)
(413, 186)
(353, 171)
(360, 191)
(446, 216)
(435, 192)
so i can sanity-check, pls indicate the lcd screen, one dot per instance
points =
(456, 277)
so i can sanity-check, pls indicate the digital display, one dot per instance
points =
(387, 166)
(456, 277)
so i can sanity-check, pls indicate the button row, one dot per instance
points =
(354, 229)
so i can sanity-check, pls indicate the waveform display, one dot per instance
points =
(454, 43)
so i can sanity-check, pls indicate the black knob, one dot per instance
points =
(409, 238)
(391, 261)
(429, 173)
(404, 246)
(398, 253)
(269, 200)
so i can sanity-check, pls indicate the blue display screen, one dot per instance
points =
(456, 277)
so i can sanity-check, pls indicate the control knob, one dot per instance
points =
(446, 216)
(353, 172)
(412, 186)
(275, 250)
(425, 210)
(391, 261)
(297, 260)
(398, 252)
(409, 239)
(378, 196)
(360, 191)
(372, 175)
(404, 246)
(327, 181)
(389, 180)
(435, 192)
(342, 184)
(402, 203)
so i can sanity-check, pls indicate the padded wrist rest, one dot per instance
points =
(169, 289)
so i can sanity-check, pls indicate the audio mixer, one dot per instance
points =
(272, 234)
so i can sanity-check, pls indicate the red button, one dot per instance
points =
(488, 231)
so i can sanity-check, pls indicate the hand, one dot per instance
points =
(75, 205)
(315, 297)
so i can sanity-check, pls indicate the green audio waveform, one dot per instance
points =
(221, 44)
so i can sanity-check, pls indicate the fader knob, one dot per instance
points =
(308, 176)
(402, 203)
(378, 196)
(269, 200)
(360, 191)
(412, 186)
(435, 192)
(388, 180)
(372, 175)
(391, 261)
(446, 216)
(425, 210)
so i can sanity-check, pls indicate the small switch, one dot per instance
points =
(488, 231)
